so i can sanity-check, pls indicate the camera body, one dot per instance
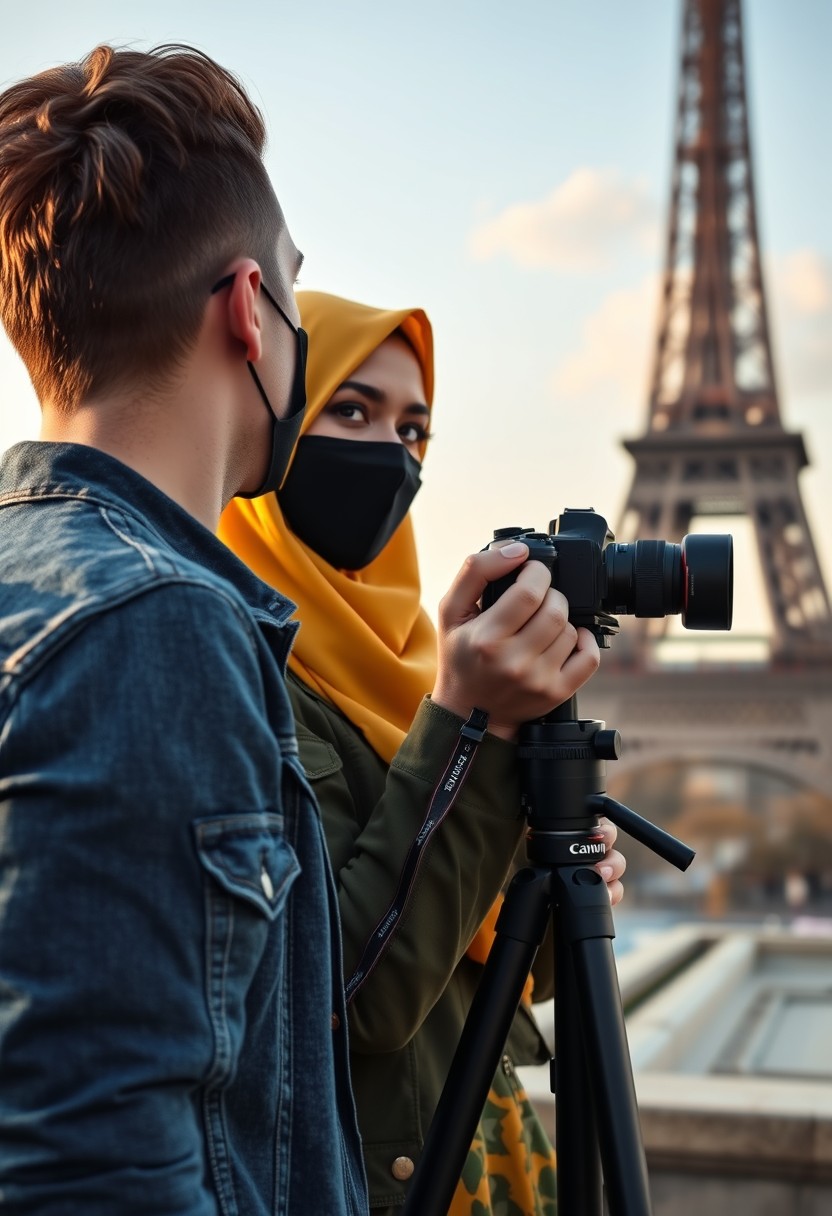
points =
(646, 578)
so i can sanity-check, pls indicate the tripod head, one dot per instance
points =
(563, 788)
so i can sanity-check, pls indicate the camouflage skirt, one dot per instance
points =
(510, 1169)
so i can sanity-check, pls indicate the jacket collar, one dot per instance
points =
(35, 469)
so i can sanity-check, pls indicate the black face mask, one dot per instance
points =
(346, 497)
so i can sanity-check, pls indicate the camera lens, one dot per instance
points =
(652, 578)
(644, 578)
(708, 580)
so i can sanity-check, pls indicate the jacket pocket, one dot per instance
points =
(249, 858)
(319, 758)
(249, 869)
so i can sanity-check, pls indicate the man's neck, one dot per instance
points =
(157, 440)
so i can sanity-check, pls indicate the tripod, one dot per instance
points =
(562, 769)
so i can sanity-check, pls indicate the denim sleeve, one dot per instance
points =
(149, 721)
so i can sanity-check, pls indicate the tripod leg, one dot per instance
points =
(576, 1136)
(583, 911)
(520, 929)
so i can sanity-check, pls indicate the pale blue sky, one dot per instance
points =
(399, 137)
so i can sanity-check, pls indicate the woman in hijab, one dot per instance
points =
(380, 702)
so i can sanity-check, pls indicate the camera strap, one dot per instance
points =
(445, 794)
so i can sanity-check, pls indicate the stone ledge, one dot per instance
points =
(738, 1143)
(753, 1127)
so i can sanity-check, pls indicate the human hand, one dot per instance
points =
(517, 659)
(614, 863)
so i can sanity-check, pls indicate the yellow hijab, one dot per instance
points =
(365, 642)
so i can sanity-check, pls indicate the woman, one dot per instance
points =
(337, 540)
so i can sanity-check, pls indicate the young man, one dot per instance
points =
(171, 1007)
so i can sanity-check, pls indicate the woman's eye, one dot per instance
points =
(350, 411)
(411, 432)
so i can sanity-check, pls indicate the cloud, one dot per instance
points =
(800, 300)
(616, 346)
(579, 227)
(804, 278)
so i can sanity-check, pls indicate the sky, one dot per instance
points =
(507, 168)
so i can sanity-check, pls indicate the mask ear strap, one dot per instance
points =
(297, 401)
(285, 432)
(229, 278)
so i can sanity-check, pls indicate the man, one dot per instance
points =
(171, 1007)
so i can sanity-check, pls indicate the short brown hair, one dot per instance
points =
(127, 181)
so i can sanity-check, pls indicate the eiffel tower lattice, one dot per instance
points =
(715, 445)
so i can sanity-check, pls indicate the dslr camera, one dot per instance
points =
(647, 578)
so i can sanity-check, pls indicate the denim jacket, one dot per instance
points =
(172, 1030)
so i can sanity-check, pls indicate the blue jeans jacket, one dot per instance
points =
(172, 1030)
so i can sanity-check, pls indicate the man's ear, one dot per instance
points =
(243, 303)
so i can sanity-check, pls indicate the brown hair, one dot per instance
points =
(127, 182)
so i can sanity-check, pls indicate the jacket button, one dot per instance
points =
(335, 1021)
(402, 1168)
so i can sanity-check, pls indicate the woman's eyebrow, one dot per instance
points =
(368, 390)
(377, 394)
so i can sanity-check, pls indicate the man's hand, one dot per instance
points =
(518, 659)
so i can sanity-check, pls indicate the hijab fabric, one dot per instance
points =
(365, 642)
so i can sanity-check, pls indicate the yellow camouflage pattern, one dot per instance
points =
(510, 1168)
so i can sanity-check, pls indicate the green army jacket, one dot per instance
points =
(406, 1019)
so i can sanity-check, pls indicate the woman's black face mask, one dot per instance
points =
(346, 497)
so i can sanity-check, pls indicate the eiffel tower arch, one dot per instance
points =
(715, 445)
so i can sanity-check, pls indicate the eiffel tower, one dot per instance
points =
(715, 445)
